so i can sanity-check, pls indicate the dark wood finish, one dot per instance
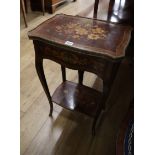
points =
(22, 6)
(123, 14)
(80, 74)
(73, 60)
(63, 73)
(77, 97)
(118, 14)
(92, 36)
(101, 55)
(40, 72)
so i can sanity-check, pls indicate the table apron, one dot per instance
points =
(70, 59)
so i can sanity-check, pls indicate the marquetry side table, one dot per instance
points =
(82, 44)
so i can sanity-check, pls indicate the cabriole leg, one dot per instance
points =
(41, 75)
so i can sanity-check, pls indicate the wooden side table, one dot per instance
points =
(82, 44)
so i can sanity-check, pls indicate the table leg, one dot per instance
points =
(80, 74)
(41, 75)
(63, 69)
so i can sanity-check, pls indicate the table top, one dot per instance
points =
(94, 37)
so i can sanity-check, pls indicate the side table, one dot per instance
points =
(82, 44)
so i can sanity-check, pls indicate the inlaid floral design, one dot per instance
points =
(81, 31)
(78, 30)
(93, 36)
(98, 30)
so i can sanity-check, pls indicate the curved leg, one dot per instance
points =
(80, 73)
(63, 70)
(41, 75)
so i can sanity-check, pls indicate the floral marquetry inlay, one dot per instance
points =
(77, 31)
(95, 37)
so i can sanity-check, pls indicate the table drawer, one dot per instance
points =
(73, 60)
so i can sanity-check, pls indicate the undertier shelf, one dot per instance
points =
(77, 97)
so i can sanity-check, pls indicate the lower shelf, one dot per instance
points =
(77, 97)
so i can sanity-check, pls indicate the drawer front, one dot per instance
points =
(73, 60)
